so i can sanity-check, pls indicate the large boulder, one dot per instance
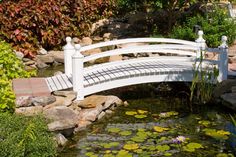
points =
(57, 55)
(229, 100)
(90, 114)
(224, 87)
(46, 58)
(43, 100)
(62, 117)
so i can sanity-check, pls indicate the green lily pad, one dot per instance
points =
(142, 112)
(114, 130)
(140, 116)
(163, 148)
(217, 134)
(205, 123)
(125, 133)
(111, 144)
(160, 129)
(191, 147)
(131, 146)
(91, 154)
(131, 113)
(124, 153)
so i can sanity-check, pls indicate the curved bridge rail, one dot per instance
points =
(100, 77)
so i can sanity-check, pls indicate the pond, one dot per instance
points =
(157, 126)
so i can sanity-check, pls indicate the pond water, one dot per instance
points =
(157, 126)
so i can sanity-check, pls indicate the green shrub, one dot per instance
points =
(214, 26)
(28, 24)
(10, 67)
(25, 137)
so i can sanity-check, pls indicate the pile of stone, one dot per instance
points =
(65, 115)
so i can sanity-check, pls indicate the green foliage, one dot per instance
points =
(28, 24)
(10, 67)
(215, 25)
(25, 137)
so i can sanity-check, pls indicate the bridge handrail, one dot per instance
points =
(137, 40)
(163, 48)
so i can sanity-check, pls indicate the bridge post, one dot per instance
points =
(201, 50)
(69, 50)
(223, 60)
(77, 73)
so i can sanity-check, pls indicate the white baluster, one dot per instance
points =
(77, 73)
(69, 50)
(201, 44)
(223, 60)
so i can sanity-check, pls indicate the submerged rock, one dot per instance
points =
(60, 139)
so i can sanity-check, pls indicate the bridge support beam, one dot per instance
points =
(77, 70)
(223, 60)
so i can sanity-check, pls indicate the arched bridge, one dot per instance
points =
(175, 63)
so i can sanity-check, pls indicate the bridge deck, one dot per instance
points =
(98, 74)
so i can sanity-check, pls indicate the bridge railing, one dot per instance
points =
(74, 60)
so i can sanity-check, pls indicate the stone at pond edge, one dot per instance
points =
(229, 99)
(224, 87)
(90, 114)
(23, 101)
(64, 93)
(43, 100)
(60, 113)
(62, 101)
(102, 114)
(61, 125)
(96, 100)
(46, 58)
(81, 125)
(29, 111)
(60, 139)
(57, 55)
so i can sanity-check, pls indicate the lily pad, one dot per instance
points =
(111, 144)
(131, 113)
(160, 129)
(142, 112)
(217, 134)
(163, 148)
(131, 146)
(114, 130)
(125, 133)
(91, 154)
(191, 147)
(124, 153)
(140, 116)
(205, 123)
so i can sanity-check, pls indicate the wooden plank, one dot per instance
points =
(67, 81)
(52, 84)
(62, 82)
(57, 83)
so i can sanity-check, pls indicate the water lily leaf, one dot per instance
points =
(114, 130)
(217, 134)
(163, 148)
(125, 133)
(138, 151)
(205, 123)
(124, 153)
(224, 155)
(192, 146)
(160, 129)
(111, 144)
(142, 112)
(131, 113)
(140, 116)
(91, 154)
(108, 155)
(131, 146)
(168, 154)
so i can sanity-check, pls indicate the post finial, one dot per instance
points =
(224, 42)
(77, 53)
(77, 47)
(200, 33)
(68, 40)
(200, 37)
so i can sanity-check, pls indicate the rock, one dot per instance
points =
(19, 54)
(29, 68)
(46, 58)
(62, 101)
(57, 55)
(86, 41)
(115, 58)
(30, 62)
(26, 59)
(126, 103)
(108, 36)
(29, 111)
(60, 113)
(58, 73)
(232, 59)
(101, 115)
(233, 89)
(97, 38)
(61, 125)
(23, 101)
(42, 51)
(224, 87)
(96, 100)
(99, 24)
(229, 99)
(109, 111)
(40, 64)
(64, 93)
(76, 40)
(43, 100)
(75, 108)
(60, 139)
(82, 124)
(90, 114)
(91, 52)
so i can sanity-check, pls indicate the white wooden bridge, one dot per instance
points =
(86, 80)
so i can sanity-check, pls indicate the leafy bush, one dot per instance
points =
(10, 67)
(216, 25)
(28, 24)
(25, 137)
